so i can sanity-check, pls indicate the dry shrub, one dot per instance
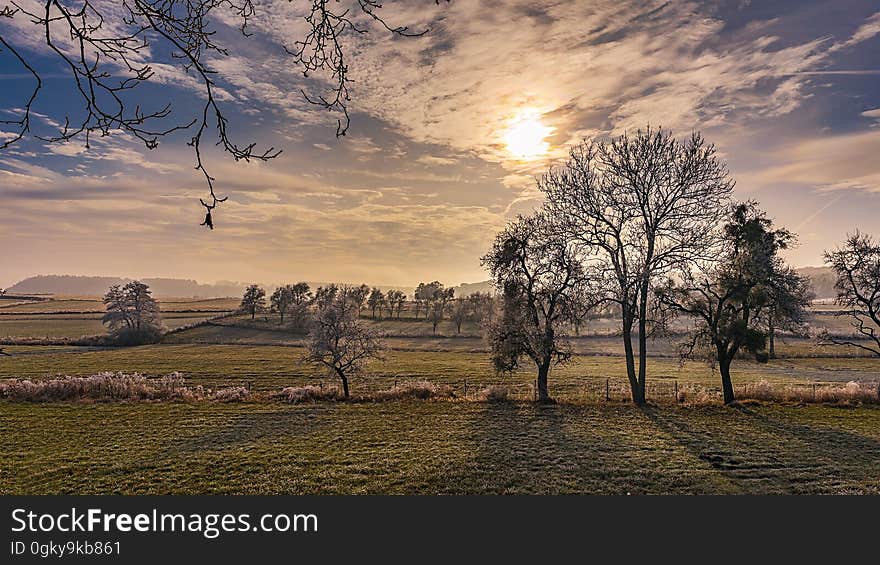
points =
(421, 390)
(231, 394)
(851, 392)
(494, 393)
(308, 393)
(100, 387)
(696, 394)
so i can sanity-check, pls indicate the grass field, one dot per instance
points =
(586, 444)
(436, 447)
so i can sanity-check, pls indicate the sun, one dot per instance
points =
(525, 136)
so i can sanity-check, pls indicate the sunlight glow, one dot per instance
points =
(525, 136)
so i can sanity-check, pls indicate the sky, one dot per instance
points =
(449, 131)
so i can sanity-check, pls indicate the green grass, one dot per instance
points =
(270, 368)
(435, 447)
(76, 325)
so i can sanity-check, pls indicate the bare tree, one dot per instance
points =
(106, 51)
(340, 342)
(640, 206)
(461, 311)
(482, 307)
(857, 266)
(375, 301)
(436, 313)
(537, 272)
(325, 295)
(291, 298)
(253, 301)
(132, 314)
(358, 295)
(396, 300)
(729, 297)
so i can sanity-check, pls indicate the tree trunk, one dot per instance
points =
(344, 383)
(771, 332)
(638, 393)
(253, 313)
(282, 317)
(726, 383)
(643, 343)
(543, 372)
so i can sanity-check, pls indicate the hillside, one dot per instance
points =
(97, 286)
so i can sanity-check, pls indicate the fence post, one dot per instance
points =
(536, 390)
(465, 388)
(607, 390)
(814, 392)
(676, 392)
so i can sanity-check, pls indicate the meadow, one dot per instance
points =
(593, 441)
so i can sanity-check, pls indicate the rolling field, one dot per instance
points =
(585, 444)
(436, 447)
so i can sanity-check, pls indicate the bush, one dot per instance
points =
(231, 394)
(494, 393)
(100, 387)
(421, 390)
(308, 393)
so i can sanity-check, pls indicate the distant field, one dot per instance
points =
(436, 447)
(94, 304)
(76, 325)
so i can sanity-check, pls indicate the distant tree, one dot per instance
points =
(253, 301)
(325, 295)
(427, 294)
(375, 301)
(537, 273)
(358, 295)
(340, 342)
(396, 300)
(482, 307)
(132, 314)
(639, 206)
(730, 296)
(460, 312)
(281, 300)
(857, 266)
(435, 315)
(291, 298)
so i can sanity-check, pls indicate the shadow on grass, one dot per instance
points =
(759, 453)
(252, 427)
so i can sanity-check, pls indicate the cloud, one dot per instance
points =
(866, 31)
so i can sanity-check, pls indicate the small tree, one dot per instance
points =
(537, 272)
(339, 342)
(461, 311)
(375, 301)
(358, 296)
(396, 299)
(132, 313)
(482, 308)
(436, 312)
(325, 295)
(730, 297)
(281, 300)
(857, 266)
(253, 301)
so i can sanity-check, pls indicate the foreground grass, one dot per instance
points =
(436, 447)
